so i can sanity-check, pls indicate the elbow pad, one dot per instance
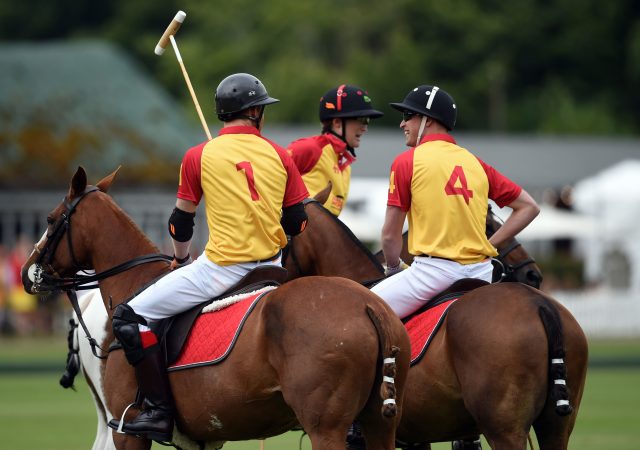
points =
(181, 225)
(294, 219)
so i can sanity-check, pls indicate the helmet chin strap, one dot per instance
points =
(343, 135)
(421, 130)
(255, 119)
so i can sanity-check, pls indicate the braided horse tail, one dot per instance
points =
(387, 387)
(557, 367)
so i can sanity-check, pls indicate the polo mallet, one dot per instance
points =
(167, 36)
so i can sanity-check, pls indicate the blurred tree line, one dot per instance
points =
(549, 66)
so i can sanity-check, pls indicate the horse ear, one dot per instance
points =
(323, 195)
(78, 183)
(105, 183)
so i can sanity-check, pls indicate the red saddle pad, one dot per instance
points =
(214, 334)
(423, 327)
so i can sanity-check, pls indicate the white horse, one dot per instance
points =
(95, 317)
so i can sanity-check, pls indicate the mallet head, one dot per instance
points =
(172, 29)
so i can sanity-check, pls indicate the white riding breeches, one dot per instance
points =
(408, 290)
(189, 286)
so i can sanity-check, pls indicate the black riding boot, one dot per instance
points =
(155, 421)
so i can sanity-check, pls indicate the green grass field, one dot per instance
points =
(36, 413)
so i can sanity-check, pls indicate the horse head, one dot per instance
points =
(513, 262)
(62, 250)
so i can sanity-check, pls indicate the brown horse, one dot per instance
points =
(312, 353)
(495, 366)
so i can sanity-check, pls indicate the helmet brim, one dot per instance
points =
(372, 113)
(406, 107)
(263, 102)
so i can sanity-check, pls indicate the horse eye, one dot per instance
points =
(50, 220)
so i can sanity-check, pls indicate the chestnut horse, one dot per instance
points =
(312, 353)
(498, 362)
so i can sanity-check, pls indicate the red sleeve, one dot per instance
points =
(190, 186)
(306, 152)
(502, 190)
(400, 181)
(295, 190)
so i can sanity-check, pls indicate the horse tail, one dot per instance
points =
(557, 367)
(388, 387)
(73, 359)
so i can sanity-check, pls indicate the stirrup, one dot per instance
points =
(121, 424)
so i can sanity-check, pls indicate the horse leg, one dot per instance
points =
(127, 442)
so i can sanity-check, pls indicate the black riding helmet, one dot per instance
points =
(238, 92)
(345, 102)
(430, 101)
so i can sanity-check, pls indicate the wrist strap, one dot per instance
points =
(182, 260)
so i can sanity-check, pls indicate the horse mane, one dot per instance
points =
(122, 214)
(345, 229)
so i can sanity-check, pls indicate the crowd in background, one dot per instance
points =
(24, 314)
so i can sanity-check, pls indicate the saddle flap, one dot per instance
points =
(177, 328)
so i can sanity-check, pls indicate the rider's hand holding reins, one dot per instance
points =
(392, 270)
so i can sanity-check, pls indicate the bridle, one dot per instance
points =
(510, 269)
(45, 278)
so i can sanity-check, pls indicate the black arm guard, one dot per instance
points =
(181, 225)
(294, 219)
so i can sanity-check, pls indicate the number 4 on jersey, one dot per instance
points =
(458, 176)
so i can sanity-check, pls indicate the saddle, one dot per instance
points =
(456, 290)
(173, 331)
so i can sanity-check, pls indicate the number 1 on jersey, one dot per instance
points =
(248, 172)
(451, 188)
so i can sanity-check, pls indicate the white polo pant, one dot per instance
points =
(189, 286)
(408, 290)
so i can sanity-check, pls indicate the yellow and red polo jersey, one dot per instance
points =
(445, 190)
(246, 180)
(321, 159)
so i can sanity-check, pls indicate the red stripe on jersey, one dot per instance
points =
(296, 191)
(400, 180)
(502, 190)
(189, 187)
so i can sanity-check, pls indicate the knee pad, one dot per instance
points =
(125, 328)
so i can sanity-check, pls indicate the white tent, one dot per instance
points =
(554, 223)
(612, 199)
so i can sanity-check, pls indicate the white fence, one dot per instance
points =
(604, 313)
(25, 213)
